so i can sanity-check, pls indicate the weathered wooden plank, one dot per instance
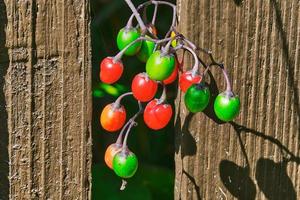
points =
(256, 156)
(4, 161)
(49, 99)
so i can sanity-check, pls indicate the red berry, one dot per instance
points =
(157, 116)
(143, 88)
(174, 74)
(113, 118)
(110, 153)
(187, 79)
(110, 70)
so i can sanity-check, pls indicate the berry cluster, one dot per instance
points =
(162, 67)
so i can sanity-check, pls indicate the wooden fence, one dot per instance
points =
(46, 132)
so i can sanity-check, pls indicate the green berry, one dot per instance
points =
(197, 97)
(146, 50)
(127, 36)
(159, 67)
(227, 106)
(125, 164)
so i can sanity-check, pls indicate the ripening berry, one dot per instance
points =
(113, 117)
(187, 79)
(110, 70)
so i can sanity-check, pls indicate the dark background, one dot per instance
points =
(154, 149)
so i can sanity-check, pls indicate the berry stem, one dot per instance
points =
(120, 137)
(156, 41)
(195, 68)
(137, 15)
(166, 50)
(129, 23)
(172, 6)
(192, 45)
(206, 51)
(163, 96)
(156, 3)
(228, 87)
(117, 103)
(119, 140)
(131, 124)
(154, 14)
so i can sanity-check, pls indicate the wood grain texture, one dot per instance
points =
(48, 95)
(258, 155)
(4, 161)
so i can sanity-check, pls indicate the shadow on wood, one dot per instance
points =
(271, 177)
(273, 180)
(214, 92)
(197, 188)
(238, 2)
(4, 62)
(237, 181)
(185, 142)
(285, 50)
(236, 178)
(188, 143)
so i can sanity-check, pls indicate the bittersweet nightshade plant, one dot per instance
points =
(161, 68)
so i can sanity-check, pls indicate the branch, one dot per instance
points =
(137, 15)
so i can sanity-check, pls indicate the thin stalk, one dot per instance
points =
(191, 44)
(166, 50)
(131, 124)
(137, 15)
(120, 137)
(117, 103)
(206, 51)
(156, 41)
(195, 68)
(228, 87)
(163, 96)
(154, 14)
(129, 23)
(173, 6)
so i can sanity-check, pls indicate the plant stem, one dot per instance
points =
(163, 96)
(117, 103)
(191, 44)
(120, 137)
(228, 87)
(166, 50)
(131, 124)
(137, 15)
(173, 6)
(129, 23)
(156, 41)
(195, 68)
(154, 14)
